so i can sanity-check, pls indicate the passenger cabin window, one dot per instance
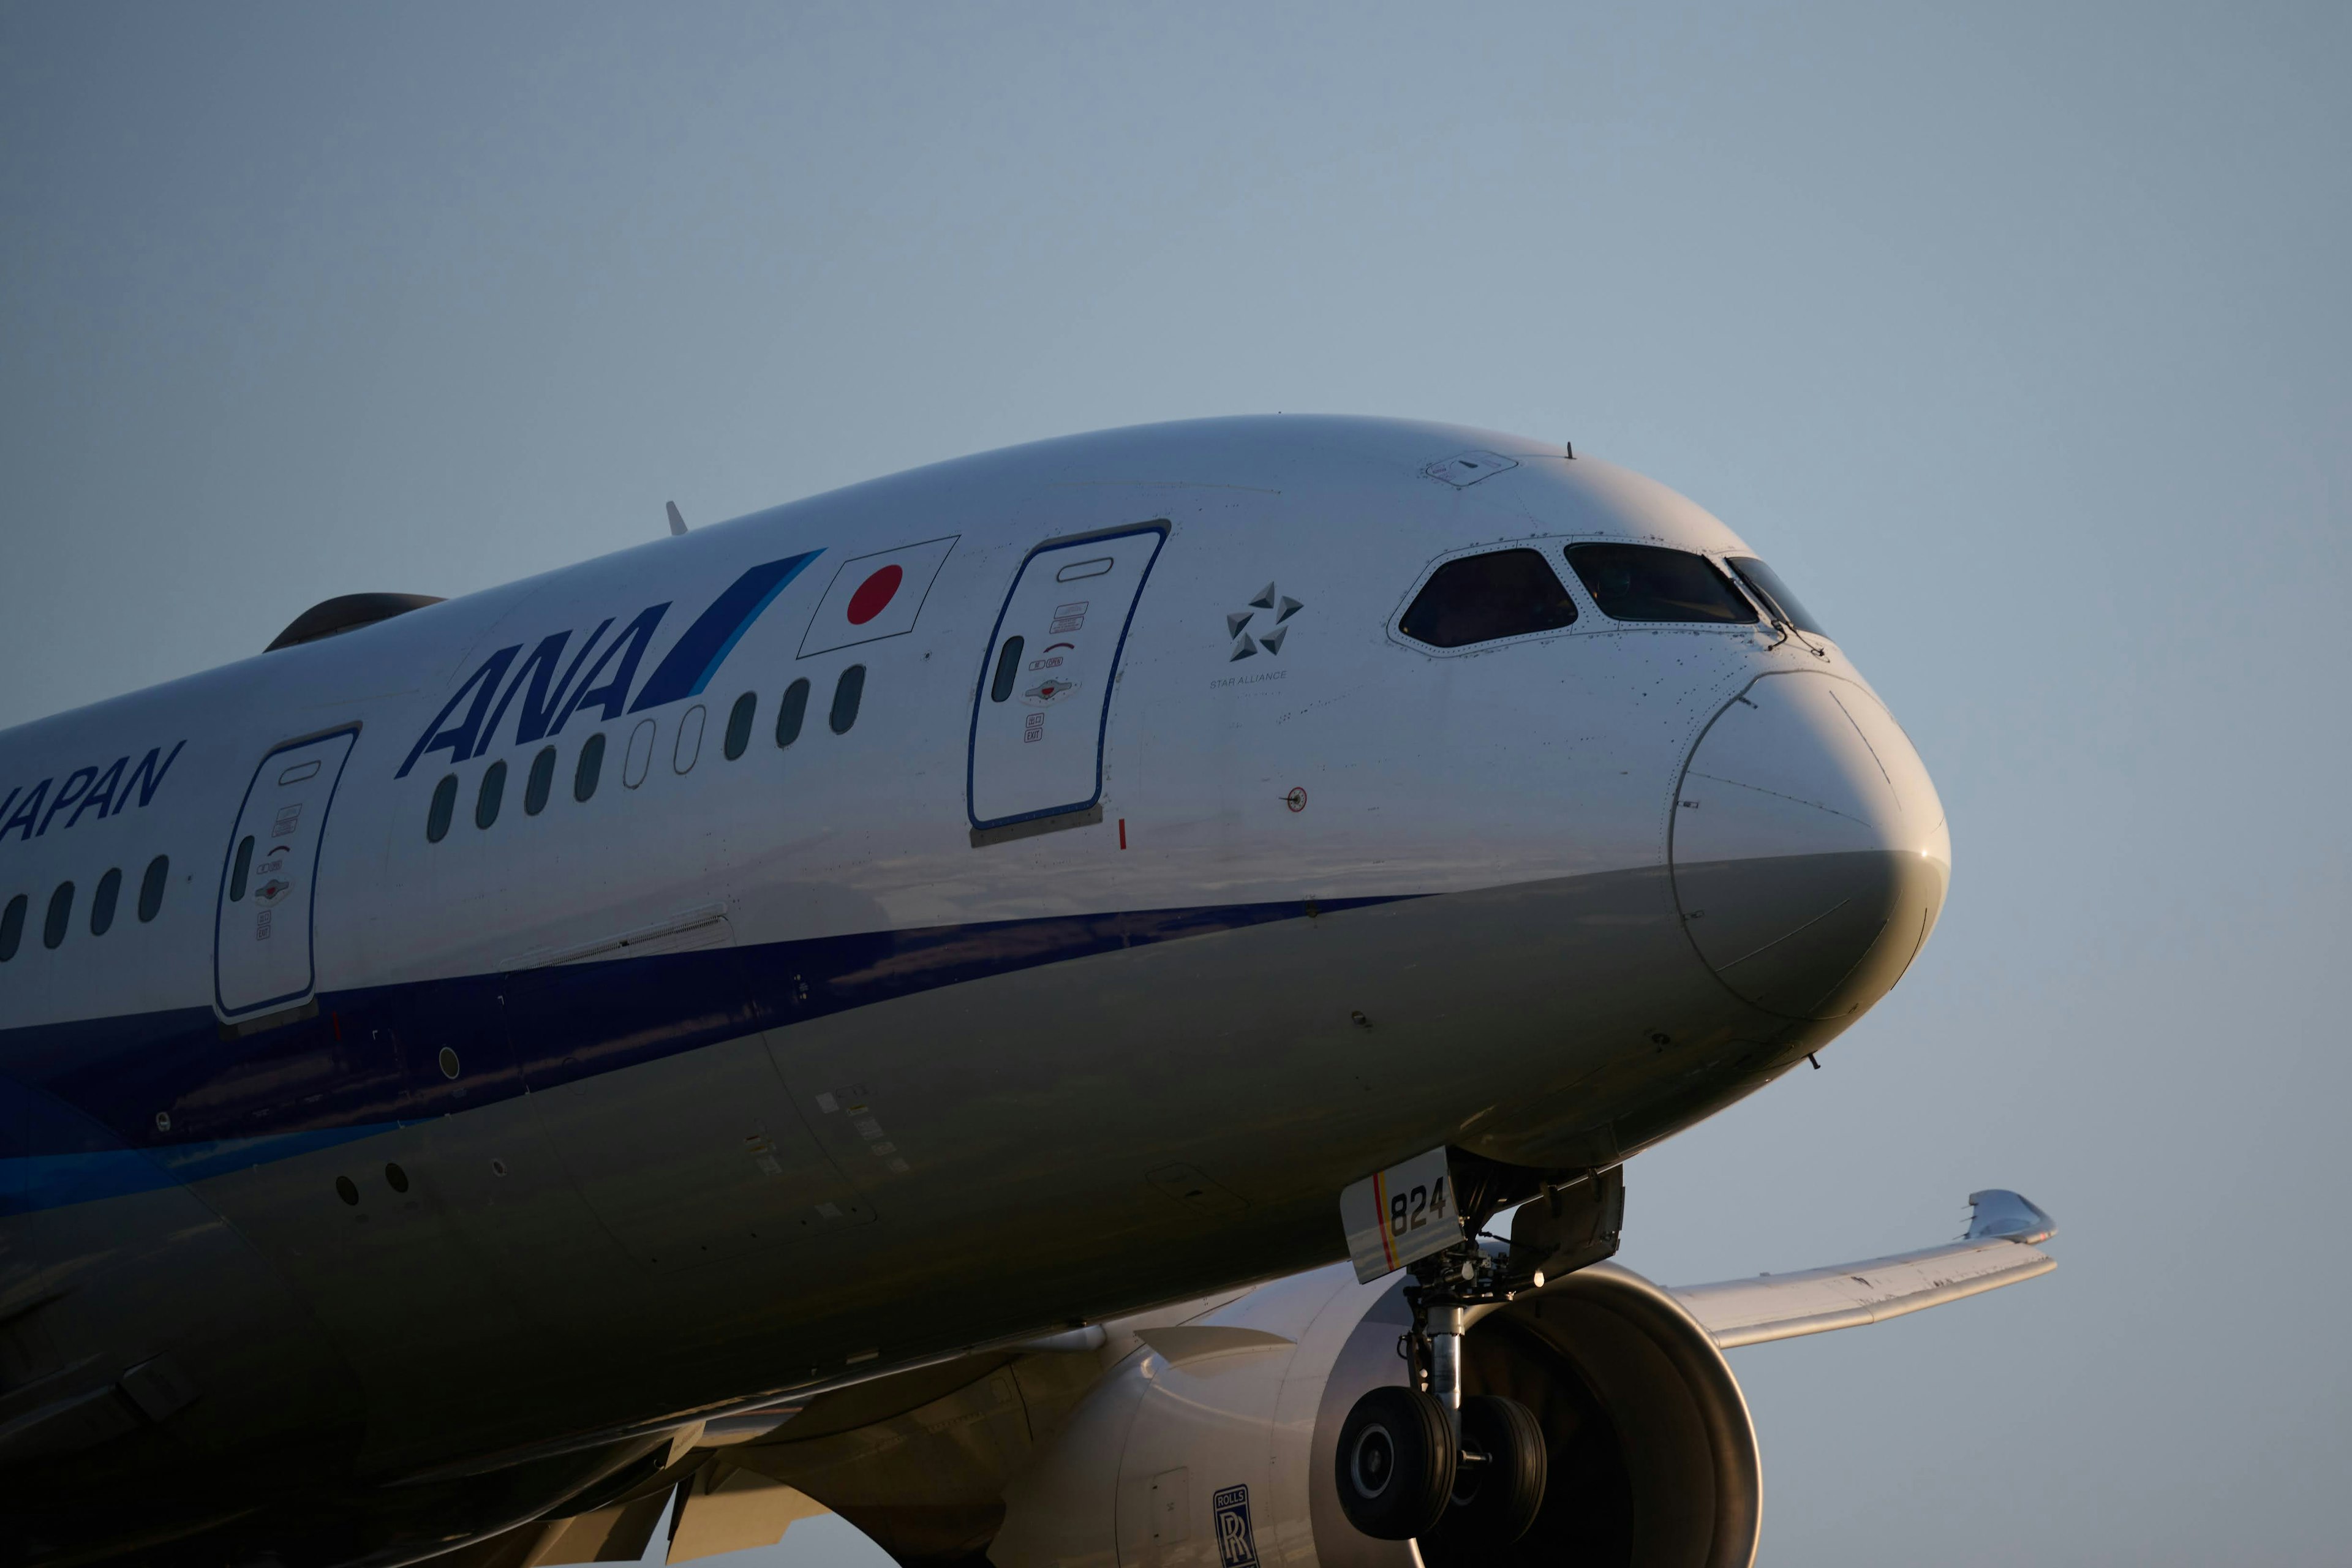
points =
(791, 712)
(541, 780)
(688, 747)
(245, 850)
(848, 693)
(12, 926)
(590, 768)
(1765, 585)
(103, 902)
(53, 930)
(436, 826)
(1481, 598)
(490, 795)
(151, 887)
(739, 723)
(1649, 582)
(639, 756)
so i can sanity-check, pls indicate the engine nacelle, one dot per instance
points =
(1214, 1445)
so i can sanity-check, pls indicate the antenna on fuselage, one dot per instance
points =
(676, 523)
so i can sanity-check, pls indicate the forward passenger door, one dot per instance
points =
(1044, 694)
(262, 960)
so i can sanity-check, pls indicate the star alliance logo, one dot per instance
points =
(1270, 633)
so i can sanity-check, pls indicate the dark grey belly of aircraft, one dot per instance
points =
(770, 1213)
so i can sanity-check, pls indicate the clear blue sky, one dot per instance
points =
(2015, 336)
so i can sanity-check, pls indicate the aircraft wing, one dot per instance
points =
(1998, 1251)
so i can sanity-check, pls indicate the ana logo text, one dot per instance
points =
(554, 690)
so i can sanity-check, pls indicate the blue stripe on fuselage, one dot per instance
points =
(688, 666)
(30, 1182)
(103, 1106)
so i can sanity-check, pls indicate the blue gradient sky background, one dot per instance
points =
(2016, 337)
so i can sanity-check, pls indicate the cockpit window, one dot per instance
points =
(1649, 583)
(1502, 593)
(1765, 585)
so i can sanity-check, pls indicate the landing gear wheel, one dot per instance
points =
(1396, 1463)
(1495, 1503)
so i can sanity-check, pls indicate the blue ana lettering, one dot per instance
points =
(613, 697)
(459, 739)
(604, 689)
(542, 712)
(539, 708)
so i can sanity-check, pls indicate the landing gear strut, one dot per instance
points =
(1431, 1458)
(1499, 1461)
(1428, 1457)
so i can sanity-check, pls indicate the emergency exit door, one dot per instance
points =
(261, 930)
(1045, 693)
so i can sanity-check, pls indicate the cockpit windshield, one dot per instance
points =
(1481, 598)
(1765, 585)
(1649, 582)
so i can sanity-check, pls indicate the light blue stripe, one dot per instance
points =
(729, 646)
(33, 1181)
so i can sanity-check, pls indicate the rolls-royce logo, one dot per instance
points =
(1270, 614)
(1236, 1546)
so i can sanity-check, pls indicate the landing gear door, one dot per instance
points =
(1045, 692)
(262, 930)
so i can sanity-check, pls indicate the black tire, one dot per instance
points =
(1494, 1503)
(1395, 1466)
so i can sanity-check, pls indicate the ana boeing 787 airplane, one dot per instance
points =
(1001, 1001)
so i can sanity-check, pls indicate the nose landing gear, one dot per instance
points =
(1428, 1460)
(1413, 1460)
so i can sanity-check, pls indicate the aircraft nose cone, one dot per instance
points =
(1809, 852)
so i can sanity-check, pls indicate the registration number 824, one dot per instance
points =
(1411, 1209)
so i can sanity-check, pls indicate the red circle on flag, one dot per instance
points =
(874, 595)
